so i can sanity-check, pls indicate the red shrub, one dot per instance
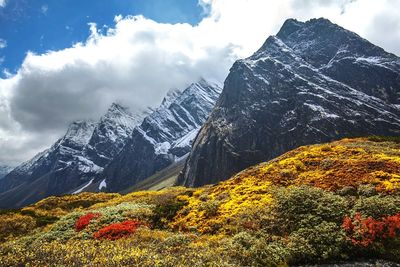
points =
(84, 220)
(365, 231)
(117, 230)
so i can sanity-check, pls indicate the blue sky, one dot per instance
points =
(41, 25)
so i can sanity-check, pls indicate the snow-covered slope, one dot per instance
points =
(74, 160)
(164, 136)
(313, 82)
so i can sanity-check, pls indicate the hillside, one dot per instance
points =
(332, 202)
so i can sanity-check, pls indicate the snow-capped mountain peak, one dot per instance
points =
(312, 82)
(78, 134)
(165, 135)
(76, 158)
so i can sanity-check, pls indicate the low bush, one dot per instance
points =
(117, 230)
(13, 225)
(84, 220)
(367, 231)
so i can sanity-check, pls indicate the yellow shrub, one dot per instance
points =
(12, 225)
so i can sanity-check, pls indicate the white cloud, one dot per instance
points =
(3, 3)
(137, 60)
(3, 43)
(44, 9)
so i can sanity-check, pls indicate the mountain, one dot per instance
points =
(164, 137)
(4, 170)
(74, 161)
(312, 82)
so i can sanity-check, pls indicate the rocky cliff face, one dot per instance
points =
(312, 82)
(164, 136)
(73, 161)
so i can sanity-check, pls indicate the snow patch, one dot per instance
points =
(83, 187)
(321, 111)
(185, 140)
(162, 148)
(372, 60)
(102, 184)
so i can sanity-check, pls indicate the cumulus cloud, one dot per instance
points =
(3, 43)
(3, 3)
(137, 60)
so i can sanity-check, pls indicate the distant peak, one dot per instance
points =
(171, 95)
(203, 81)
(80, 131)
(292, 25)
(288, 27)
(319, 21)
(79, 125)
(116, 106)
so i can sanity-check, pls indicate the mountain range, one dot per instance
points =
(112, 154)
(75, 159)
(164, 137)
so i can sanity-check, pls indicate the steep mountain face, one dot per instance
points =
(73, 161)
(164, 136)
(313, 82)
(4, 170)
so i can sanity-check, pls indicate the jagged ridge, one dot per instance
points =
(164, 136)
(74, 160)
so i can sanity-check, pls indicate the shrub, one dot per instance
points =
(117, 230)
(210, 208)
(297, 207)
(366, 190)
(178, 240)
(366, 231)
(395, 139)
(84, 220)
(316, 243)
(163, 213)
(15, 225)
(378, 206)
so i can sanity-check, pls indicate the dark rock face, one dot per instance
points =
(73, 161)
(163, 137)
(313, 82)
(4, 170)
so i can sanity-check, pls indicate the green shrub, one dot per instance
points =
(295, 204)
(377, 206)
(317, 243)
(163, 213)
(210, 208)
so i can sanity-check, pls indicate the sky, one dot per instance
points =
(67, 60)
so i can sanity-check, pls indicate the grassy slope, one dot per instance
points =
(160, 180)
(288, 210)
